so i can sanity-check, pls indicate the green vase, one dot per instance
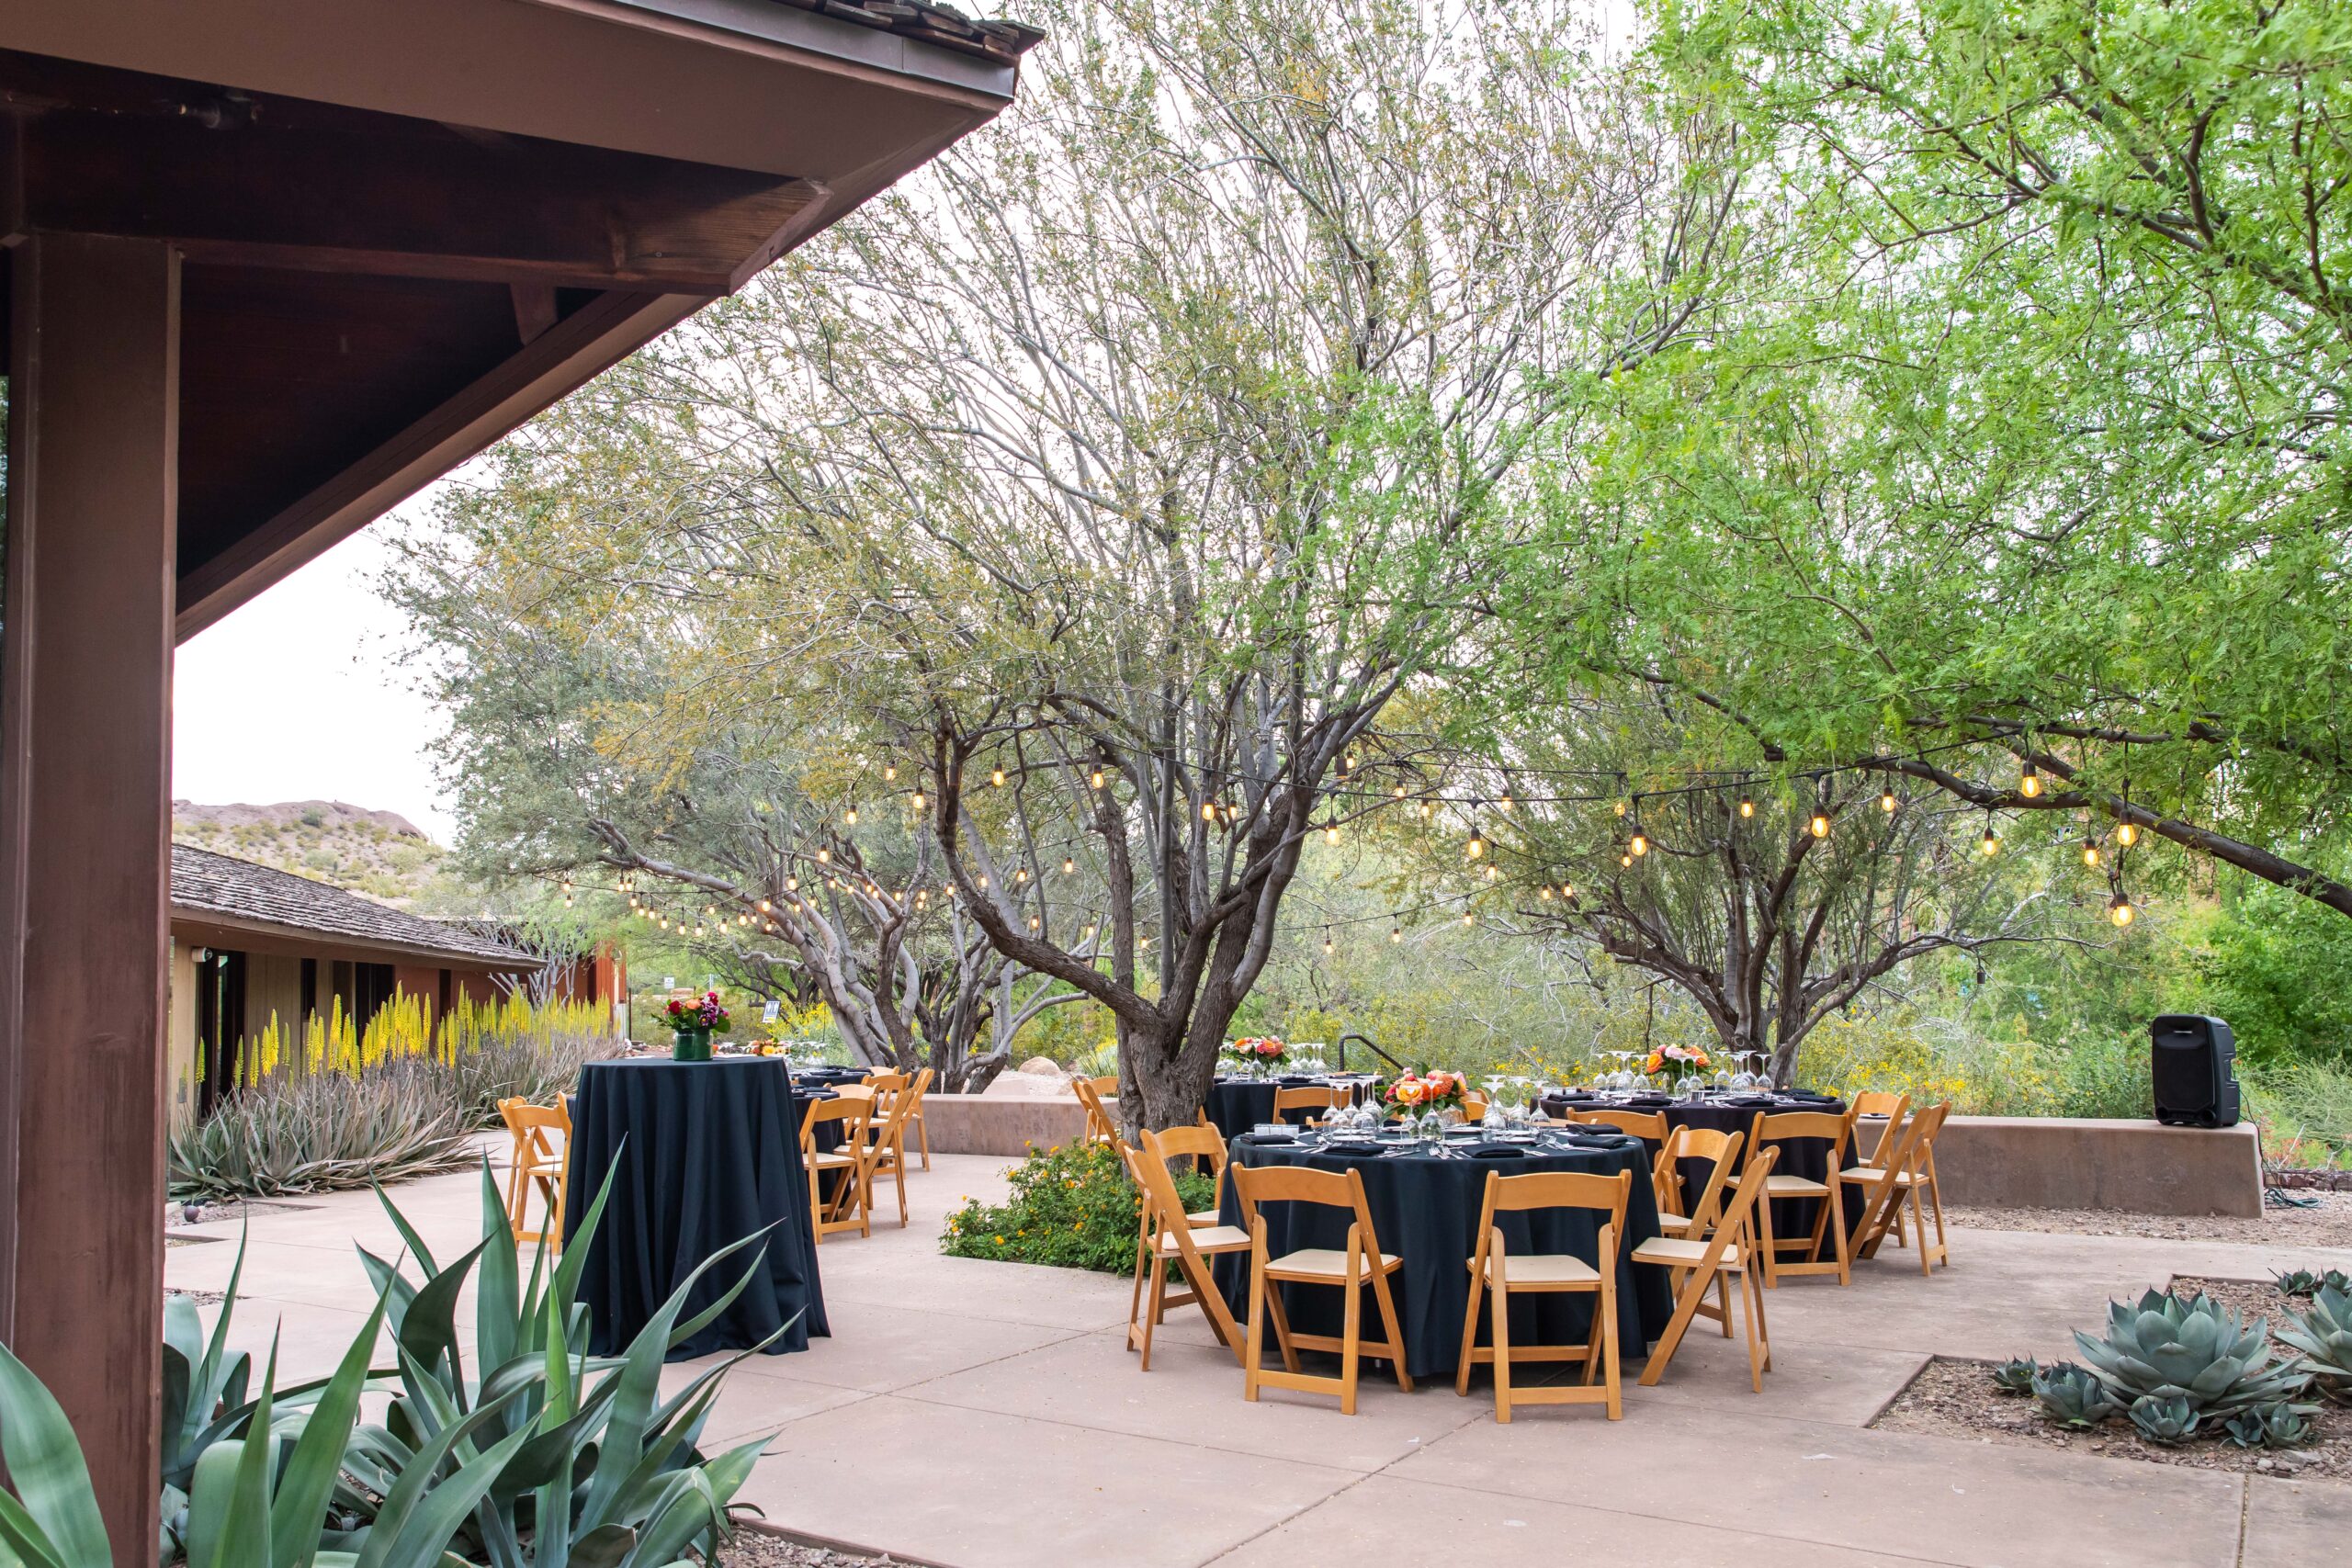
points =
(692, 1045)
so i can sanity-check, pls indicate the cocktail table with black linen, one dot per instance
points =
(702, 1153)
(1807, 1157)
(1426, 1208)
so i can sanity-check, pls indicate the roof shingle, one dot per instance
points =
(208, 884)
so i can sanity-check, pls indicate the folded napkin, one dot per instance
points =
(1496, 1151)
(1268, 1138)
(1751, 1102)
(1649, 1101)
(1805, 1094)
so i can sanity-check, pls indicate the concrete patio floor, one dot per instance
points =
(981, 1415)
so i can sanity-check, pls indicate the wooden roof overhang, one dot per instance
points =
(408, 225)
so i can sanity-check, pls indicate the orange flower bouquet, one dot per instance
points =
(1677, 1060)
(1418, 1094)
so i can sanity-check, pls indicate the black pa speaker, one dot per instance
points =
(2194, 1085)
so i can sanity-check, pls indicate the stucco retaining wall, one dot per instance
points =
(2057, 1162)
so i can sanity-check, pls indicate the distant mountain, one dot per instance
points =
(379, 854)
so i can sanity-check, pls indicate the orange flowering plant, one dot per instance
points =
(1414, 1093)
(1262, 1049)
(1676, 1058)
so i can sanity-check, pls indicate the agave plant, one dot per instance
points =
(2016, 1376)
(320, 1132)
(2196, 1351)
(2072, 1397)
(603, 1470)
(2165, 1420)
(2303, 1282)
(2324, 1335)
(2269, 1426)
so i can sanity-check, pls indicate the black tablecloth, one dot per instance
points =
(712, 1154)
(1808, 1157)
(1238, 1105)
(1425, 1209)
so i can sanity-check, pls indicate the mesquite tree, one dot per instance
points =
(1116, 473)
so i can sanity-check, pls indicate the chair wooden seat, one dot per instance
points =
(1872, 1176)
(1795, 1187)
(1205, 1238)
(1321, 1263)
(1541, 1268)
(1675, 1224)
(1500, 1274)
(1675, 1252)
(1200, 1218)
(833, 1159)
(1829, 1247)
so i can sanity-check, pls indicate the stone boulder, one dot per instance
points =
(1043, 1067)
(1026, 1085)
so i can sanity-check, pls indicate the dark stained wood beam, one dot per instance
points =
(84, 817)
(403, 198)
(556, 362)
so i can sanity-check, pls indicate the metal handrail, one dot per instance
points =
(1365, 1041)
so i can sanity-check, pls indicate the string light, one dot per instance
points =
(1747, 807)
(2127, 832)
(1886, 801)
(1426, 810)
(1396, 933)
(1990, 845)
(792, 885)
(1021, 873)
(1069, 865)
(1476, 845)
(1208, 811)
(2090, 850)
(824, 857)
(996, 778)
(1330, 833)
(918, 800)
(1494, 872)
(1095, 779)
(1032, 922)
(2029, 782)
(1544, 893)
(849, 817)
(1329, 947)
(1466, 918)
(763, 905)
(2119, 910)
(889, 772)
(1819, 826)
(1400, 791)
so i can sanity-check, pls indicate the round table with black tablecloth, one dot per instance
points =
(701, 1153)
(1807, 1157)
(1425, 1209)
(1238, 1105)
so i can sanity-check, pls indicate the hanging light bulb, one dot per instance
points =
(1886, 801)
(1639, 845)
(2090, 852)
(1621, 808)
(1568, 893)
(1095, 778)
(1400, 791)
(2127, 834)
(2119, 910)
(765, 905)
(889, 772)
(1476, 846)
(1466, 918)
(1396, 933)
(1544, 893)
(1327, 947)
(1069, 865)
(850, 816)
(567, 900)
(1330, 833)
(1021, 873)
(1426, 809)
(2030, 783)
(1990, 844)
(824, 857)
(1089, 936)
(1819, 826)
(1747, 807)
(1208, 811)
(1504, 801)
(982, 881)
(918, 800)
(996, 778)
(792, 885)
(1493, 871)
(567, 885)
(1032, 922)
(1625, 859)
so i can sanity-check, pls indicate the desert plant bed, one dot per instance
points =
(1956, 1397)
(2326, 1222)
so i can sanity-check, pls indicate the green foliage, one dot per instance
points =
(2016, 1376)
(2279, 968)
(2303, 1282)
(2268, 1427)
(2165, 1420)
(318, 1133)
(2197, 1351)
(2073, 1397)
(2324, 1335)
(1071, 1207)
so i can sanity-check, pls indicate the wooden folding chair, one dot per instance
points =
(1473, 1108)
(1698, 1266)
(1310, 1097)
(1665, 1178)
(852, 1107)
(1199, 1144)
(1167, 1238)
(1899, 1183)
(1647, 1126)
(1493, 1269)
(536, 1160)
(1101, 1126)
(1829, 1195)
(885, 1143)
(1350, 1267)
(1878, 1105)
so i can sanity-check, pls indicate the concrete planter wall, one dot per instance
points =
(1995, 1162)
(2059, 1162)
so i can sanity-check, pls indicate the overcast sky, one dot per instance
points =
(295, 697)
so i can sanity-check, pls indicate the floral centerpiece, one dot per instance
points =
(1426, 1094)
(693, 1023)
(1258, 1052)
(1676, 1061)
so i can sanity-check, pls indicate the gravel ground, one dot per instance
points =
(751, 1549)
(176, 1214)
(1957, 1399)
(2327, 1223)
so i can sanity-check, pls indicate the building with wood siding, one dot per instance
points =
(250, 942)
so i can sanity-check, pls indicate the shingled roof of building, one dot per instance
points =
(232, 889)
(940, 25)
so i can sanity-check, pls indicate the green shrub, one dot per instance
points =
(1072, 1208)
(322, 1132)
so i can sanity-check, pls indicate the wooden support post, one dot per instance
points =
(86, 686)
